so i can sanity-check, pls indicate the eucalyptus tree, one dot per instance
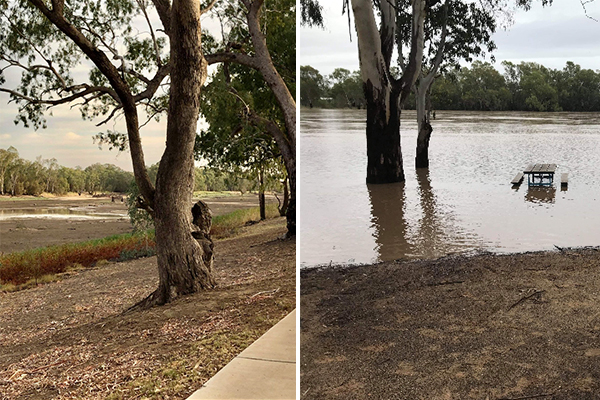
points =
(346, 89)
(7, 158)
(48, 40)
(312, 86)
(15, 175)
(454, 31)
(251, 28)
(236, 144)
(384, 93)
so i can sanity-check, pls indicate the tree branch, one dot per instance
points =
(154, 83)
(120, 87)
(440, 50)
(38, 51)
(413, 69)
(283, 143)
(64, 100)
(110, 116)
(156, 49)
(163, 8)
(583, 5)
(238, 58)
(207, 9)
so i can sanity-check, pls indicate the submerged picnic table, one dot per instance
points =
(540, 174)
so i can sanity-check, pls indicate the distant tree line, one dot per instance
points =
(523, 87)
(23, 177)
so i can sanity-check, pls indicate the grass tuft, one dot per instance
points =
(228, 224)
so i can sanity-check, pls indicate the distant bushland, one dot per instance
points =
(526, 86)
(23, 177)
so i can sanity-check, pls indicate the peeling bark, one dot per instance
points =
(384, 94)
(423, 104)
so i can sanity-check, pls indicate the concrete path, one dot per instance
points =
(265, 370)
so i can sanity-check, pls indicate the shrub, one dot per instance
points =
(18, 268)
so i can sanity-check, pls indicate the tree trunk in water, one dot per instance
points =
(384, 93)
(261, 194)
(425, 129)
(181, 264)
(384, 154)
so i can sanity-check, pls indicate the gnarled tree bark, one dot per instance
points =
(181, 258)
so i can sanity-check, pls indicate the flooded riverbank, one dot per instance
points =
(464, 202)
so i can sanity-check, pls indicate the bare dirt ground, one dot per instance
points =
(24, 234)
(72, 340)
(488, 327)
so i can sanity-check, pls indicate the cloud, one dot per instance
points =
(72, 137)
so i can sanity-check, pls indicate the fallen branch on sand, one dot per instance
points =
(445, 283)
(265, 292)
(522, 299)
(535, 396)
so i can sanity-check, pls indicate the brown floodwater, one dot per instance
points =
(463, 203)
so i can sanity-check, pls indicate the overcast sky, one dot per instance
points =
(68, 138)
(550, 36)
(547, 35)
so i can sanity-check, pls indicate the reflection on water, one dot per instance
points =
(540, 194)
(463, 202)
(387, 217)
(56, 213)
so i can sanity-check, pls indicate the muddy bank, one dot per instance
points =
(71, 340)
(490, 326)
(24, 234)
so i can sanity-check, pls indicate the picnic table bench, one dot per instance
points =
(540, 174)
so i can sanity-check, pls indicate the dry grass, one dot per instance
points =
(71, 339)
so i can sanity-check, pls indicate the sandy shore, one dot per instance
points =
(487, 327)
(23, 234)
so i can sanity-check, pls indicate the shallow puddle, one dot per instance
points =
(57, 213)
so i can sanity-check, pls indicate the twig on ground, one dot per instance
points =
(561, 249)
(522, 299)
(445, 283)
(21, 372)
(265, 292)
(535, 396)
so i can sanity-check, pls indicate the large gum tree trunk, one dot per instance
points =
(384, 93)
(384, 153)
(181, 266)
